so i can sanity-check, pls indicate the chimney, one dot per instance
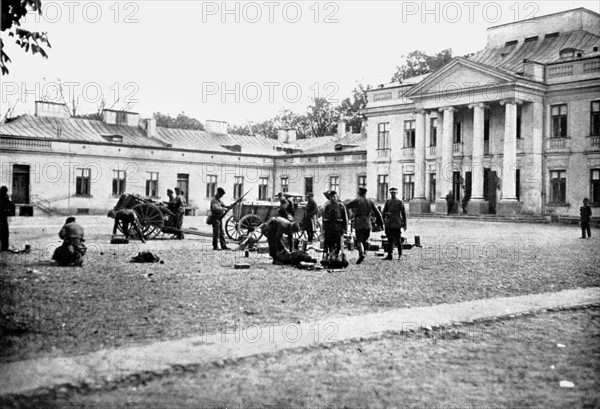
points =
(213, 126)
(286, 135)
(51, 109)
(341, 129)
(533, 70)
(151, 128)
(114, 117)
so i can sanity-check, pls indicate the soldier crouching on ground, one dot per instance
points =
(72, 250)
(127, 217)
(275, 229)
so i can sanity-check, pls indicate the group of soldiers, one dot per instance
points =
(280, 229)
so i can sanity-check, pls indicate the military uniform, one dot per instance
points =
(363, 209)
(7, 208)
(275, 230)
(335, 224)
(179, 209)
(217, 210)
(127, 217)
(72, 250)
(394, 216)
(310, 218)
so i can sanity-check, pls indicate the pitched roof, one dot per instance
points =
(94, 131)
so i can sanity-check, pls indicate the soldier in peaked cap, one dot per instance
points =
(335, 224)
(363, 210)
(394, 216)
(217, 210)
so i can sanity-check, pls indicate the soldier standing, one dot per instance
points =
(395, 219)
(284, 207)
(363, 209)
(7, 208)
(217, 211)
(310, 217)
(179, 209)
(335, 224)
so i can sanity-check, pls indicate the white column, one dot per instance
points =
(445, 174)
(509, 161)
(477, 164)
(420, 155)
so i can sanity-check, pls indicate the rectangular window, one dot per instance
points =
(334, 184)
(486, 125)
(211, 185)
(433, 132)
(238, 187)
(382, 187)
(118, 185)
(152, 184)
(82, 182)
(308, 185)
(409, 134)
(518, 184)
(263, 188)
(558, 186)
(432, 187)
(458, 132)
(408, 187)
(595, 118)
(595, 186)
(285, 184)
(558, 115)
(383, 135)
(361, 181)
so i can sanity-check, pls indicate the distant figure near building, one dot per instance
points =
(179, 210)
(126, 217)
(72, 250)
(394, 216)
(585, 213)
(7, 209)
(449, 202)
(363, 210)
(310, 217)
(465, 202)
(217, 211)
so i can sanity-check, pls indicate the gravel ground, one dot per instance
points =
(111, 302)
(517, 363)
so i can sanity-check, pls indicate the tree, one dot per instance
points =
(322, 118)
(181, 122)
(349, 109)
(419, 63)
(12, 13)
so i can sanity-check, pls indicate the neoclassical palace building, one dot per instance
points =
(515, 127)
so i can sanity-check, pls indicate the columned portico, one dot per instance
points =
(445, 170)
(419, 204)
(477, 204)
(508, 204)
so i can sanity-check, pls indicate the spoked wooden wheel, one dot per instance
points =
(231, 228)
(151, 219)
(249, 227)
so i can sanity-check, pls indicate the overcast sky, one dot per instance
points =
(239, 61)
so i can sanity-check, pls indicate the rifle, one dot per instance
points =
(233, 204)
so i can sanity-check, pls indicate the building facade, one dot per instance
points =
(515, 126)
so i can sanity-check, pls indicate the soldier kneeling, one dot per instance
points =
(72, 250)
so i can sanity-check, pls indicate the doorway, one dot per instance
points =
(20, 184)
(490, 184)
(183, 182)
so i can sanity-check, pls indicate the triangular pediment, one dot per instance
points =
(459, 74)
